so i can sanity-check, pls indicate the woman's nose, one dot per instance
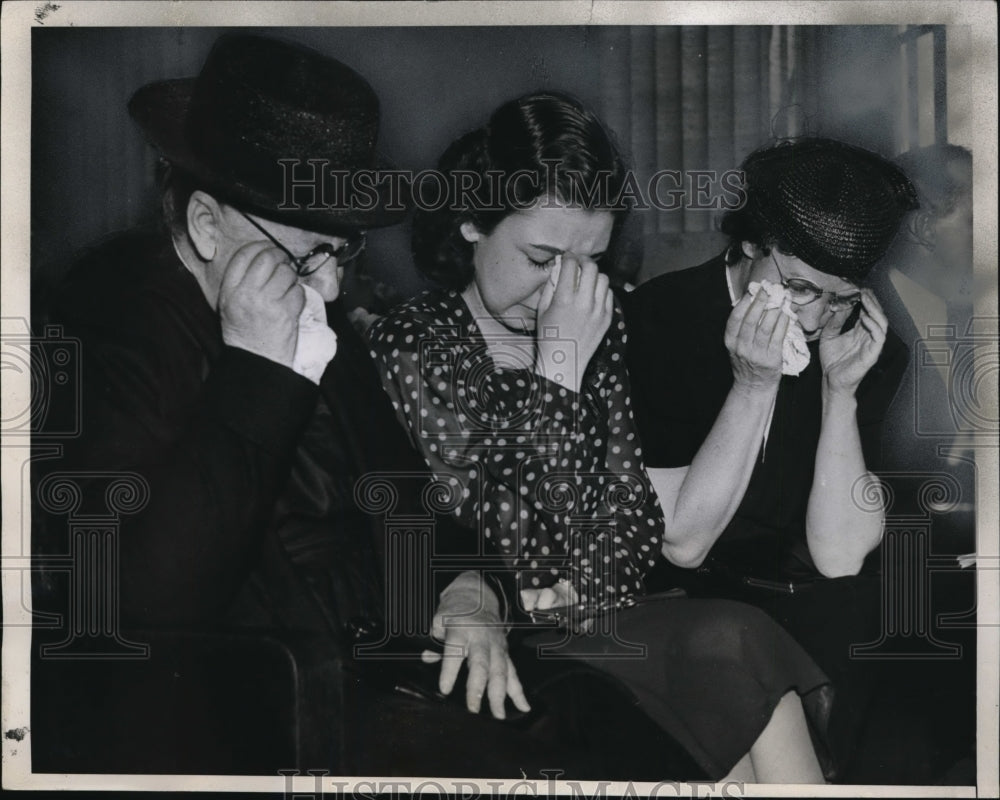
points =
(813, 316)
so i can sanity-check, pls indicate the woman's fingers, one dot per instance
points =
(602, 288)
(587, 282)
(748, 330)
(870, 305)
(529, 599)
(735, 322)
(566, 282)
(580, 282)
(780, 330)
(514, 689)
(547, 598)
(765, 328)
(496, 689)
(478, 661)
(451, 663)
(548, 292)
(835, 324)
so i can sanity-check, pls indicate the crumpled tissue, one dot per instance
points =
(794, 353)
(317, 343)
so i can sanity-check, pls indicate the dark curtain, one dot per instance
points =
(699, 98)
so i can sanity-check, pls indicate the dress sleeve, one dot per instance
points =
(678, 364)
(534, 467)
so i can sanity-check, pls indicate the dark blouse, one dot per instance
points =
(681, 375)
(553, 479)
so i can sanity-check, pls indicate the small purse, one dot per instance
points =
(580, 616)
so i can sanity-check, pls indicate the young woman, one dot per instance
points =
(513, 385)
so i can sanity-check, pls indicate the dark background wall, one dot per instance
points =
(93, 173)
(659, 88)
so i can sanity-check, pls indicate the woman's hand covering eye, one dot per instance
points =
(576, 306)
(754, 337)
(847, 357)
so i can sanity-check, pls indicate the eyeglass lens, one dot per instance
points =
(313, 260)
(803, 293)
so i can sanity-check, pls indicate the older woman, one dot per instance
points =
(512, 383)
(760, 381)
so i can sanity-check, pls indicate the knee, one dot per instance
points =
(728, 632)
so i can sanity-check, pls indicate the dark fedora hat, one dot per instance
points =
(833, 205)
(279, 129)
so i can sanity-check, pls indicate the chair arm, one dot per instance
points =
(201, 702)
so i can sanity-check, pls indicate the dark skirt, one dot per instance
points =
(707, 672)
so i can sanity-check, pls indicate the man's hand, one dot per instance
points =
(260, 302)
(754, 336)
(327, 280)
(847, 357)
(468, 621)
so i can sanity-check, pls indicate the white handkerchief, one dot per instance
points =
(794, 353)
(317, 344)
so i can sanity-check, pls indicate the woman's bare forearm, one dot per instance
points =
(700, 500)
(839, 531)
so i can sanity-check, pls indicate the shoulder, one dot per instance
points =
(131, 284)
(417, 319)
(667, 286)
(688, 307)
(677, 296)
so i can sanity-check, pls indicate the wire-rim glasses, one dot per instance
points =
(801, 292)
(314, 260)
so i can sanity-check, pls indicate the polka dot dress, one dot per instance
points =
(553, 479)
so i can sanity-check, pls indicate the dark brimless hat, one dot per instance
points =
(835, 206)
(278, 129)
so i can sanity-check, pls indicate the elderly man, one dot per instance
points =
(222, 378)
(760, 382)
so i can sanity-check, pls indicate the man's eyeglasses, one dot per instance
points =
(802, 292)
(319, 255)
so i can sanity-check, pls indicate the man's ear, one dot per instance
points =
(750, 250)
(470, 232)
(204, 215)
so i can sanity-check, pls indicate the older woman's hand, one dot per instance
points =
(847, 357)
(754, 337)
(468, 621)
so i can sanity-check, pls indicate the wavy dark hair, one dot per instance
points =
(542, 144)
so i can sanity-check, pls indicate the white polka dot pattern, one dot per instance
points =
(552, 478)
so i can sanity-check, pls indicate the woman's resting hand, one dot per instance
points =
(468, 621)
(847, 357)
(555, 596)
(578, 304)
(754, 337)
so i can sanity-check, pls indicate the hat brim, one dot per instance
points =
(161, 109)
